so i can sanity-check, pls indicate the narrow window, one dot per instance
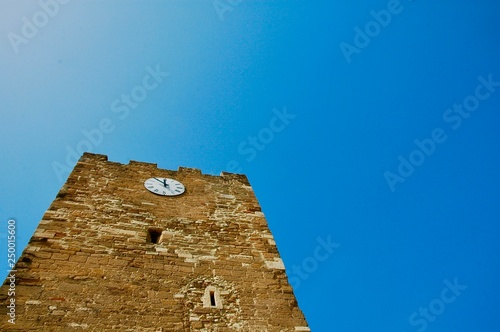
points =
(212, 299)
(154, 235)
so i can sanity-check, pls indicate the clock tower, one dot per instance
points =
(137, 248)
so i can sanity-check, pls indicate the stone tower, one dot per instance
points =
(111, 254)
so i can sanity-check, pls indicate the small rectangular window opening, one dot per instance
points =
(212, 299)
(154, 235)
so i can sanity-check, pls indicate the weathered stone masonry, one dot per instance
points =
(92, 264)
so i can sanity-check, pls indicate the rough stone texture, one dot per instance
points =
(91, 266)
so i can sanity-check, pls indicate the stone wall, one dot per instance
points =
(91, 264)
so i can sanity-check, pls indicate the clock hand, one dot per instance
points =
(164, 182)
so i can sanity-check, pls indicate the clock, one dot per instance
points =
(164, 186)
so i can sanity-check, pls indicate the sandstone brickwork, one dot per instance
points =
(92, 265)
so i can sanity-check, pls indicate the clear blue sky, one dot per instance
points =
(386, 144)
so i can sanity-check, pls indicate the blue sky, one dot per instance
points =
(379, 178)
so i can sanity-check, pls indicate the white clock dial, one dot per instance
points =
(164, 186)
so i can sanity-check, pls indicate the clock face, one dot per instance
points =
(164, 186)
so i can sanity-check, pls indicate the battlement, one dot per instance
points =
(89, 157)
